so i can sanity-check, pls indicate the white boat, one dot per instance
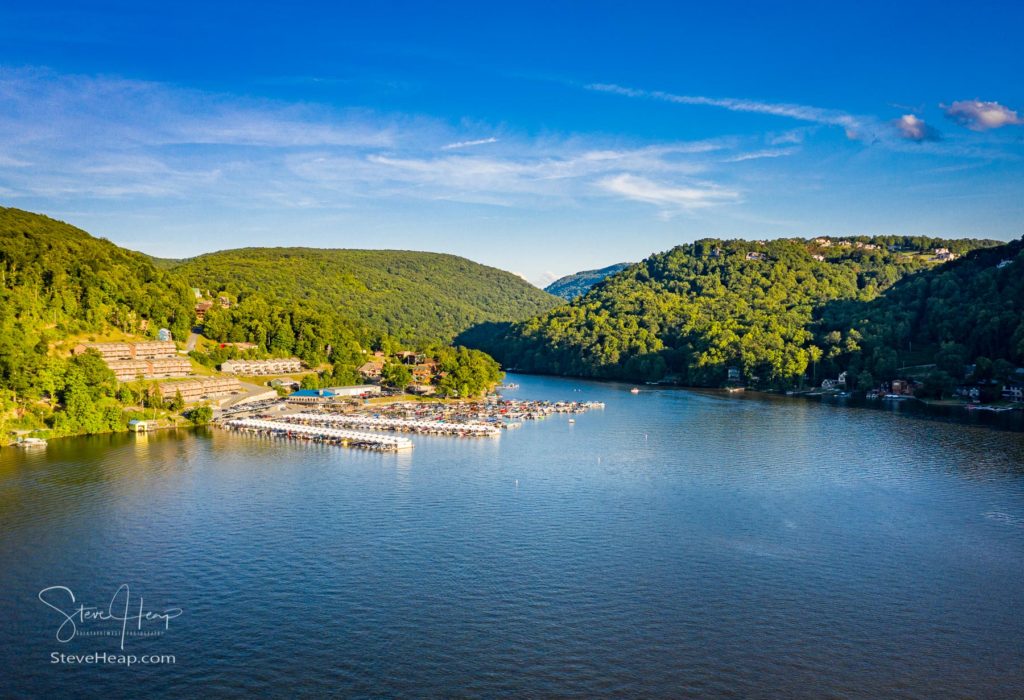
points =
(572, 420)
(634, 390)
(28, 442)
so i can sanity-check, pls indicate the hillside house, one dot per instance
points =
(372, 369)
(202, 307)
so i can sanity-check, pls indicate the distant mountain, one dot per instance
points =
(576, 285)
(410, 296)
(692, 313)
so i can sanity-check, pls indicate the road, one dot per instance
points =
(193, 338)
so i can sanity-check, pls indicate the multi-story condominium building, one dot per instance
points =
(200, 388)
(262, 367)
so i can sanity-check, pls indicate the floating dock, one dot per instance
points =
(326, 435)
(404, 425)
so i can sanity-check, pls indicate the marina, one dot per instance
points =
(330, 436)
(423, 427)
(347, 426)
(503, 413)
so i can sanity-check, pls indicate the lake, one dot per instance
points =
(674, 544)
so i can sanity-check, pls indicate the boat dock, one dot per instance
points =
(404, 425)
(322, 434)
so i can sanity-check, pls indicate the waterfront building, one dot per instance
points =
(903, 387)
(200, 388)
(355, 390)
(262, 367)
(312, 397)
(1014, 392)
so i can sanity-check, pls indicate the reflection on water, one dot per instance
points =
(676, 543)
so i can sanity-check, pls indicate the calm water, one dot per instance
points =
(674, 544)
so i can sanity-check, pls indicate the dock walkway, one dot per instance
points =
(423, 427)
(333, 436)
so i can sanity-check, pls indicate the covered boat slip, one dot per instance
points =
(334, 436)
(425, 427)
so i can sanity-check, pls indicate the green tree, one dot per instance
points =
(200, 415)
(396, 374)
(177, 402)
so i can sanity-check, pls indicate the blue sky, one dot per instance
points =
(541, 138)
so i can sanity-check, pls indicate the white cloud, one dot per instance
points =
(914, 128)
(854, 127)
(793, 136)
(669, 197)
(757, 155)
(467, 144)
(546, 278)
(982, 116)
(72, 137)
(530, 174)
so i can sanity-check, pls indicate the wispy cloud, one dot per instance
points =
(757, 155)
(75, 137)
(914, 128)
(793, 136)
(982, 116)
(467, 144)
(670, 197)
(855, 127)
(529, 174)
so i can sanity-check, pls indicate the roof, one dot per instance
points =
(313, 392)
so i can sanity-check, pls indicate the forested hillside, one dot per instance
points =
(58, 281)
(969, 311)
(578, 284)
(328, 307)
(691, 313)
(411, 296)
